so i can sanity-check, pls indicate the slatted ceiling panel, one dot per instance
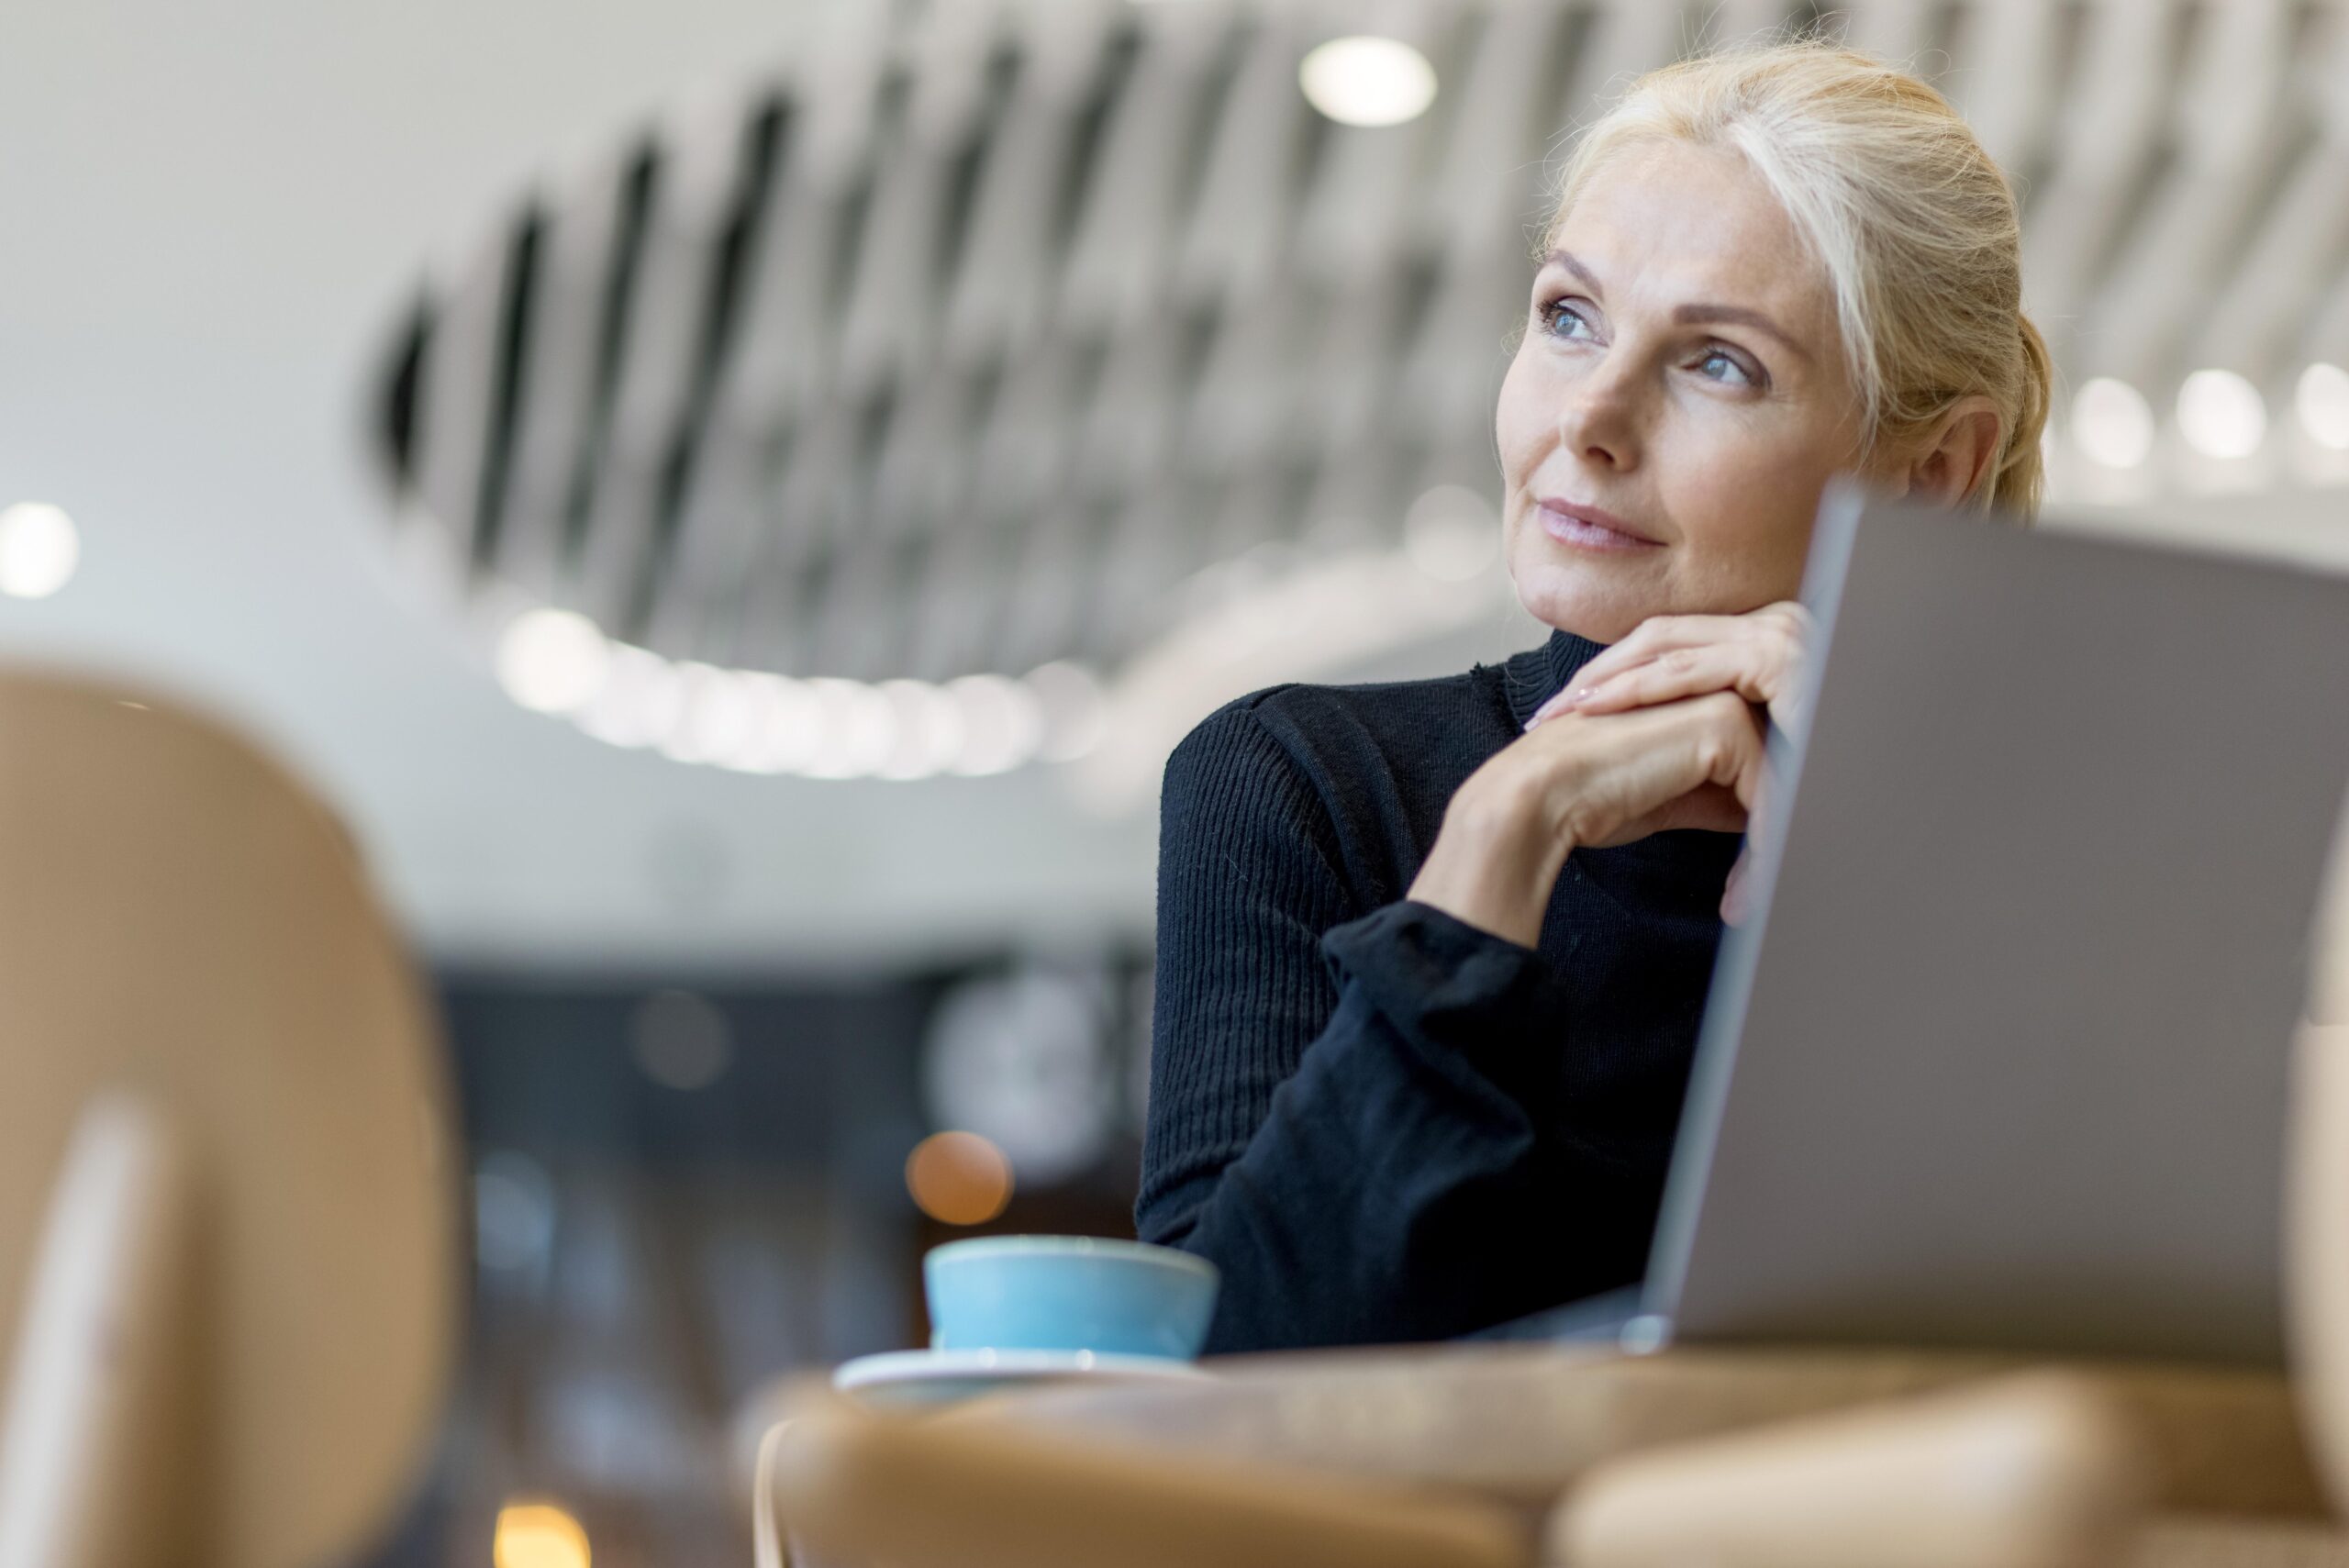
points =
(953, 602)
(2327, 336)
(2225, 141)
(772, 635)
(1451, 369)
(569, 280)
(1000, 297)
(1043, 588)
(712, 544)
(2006, 56)
(2261, 313)
(2107, 148)
(1897, 29)
(1040, 307)
(1504, 97)
(1031, 435)
(709, 452)
(1239, 221)
(1345, 401)
(1365, 197)
(783, 359)
(859, 617)
(1136, 201)
(923, 462)
(458, 390)
(701, 190)
(720, 459)
(1125, 432)
(911, 244)
(2276, 303)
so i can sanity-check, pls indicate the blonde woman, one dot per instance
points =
(1432, 954)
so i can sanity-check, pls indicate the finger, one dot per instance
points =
(1683, 672)
(1774, 635)
(1652, 637)
(1733, 903)
(1657, 634)
(1747, 751)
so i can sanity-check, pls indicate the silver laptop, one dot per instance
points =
(2001, 1058)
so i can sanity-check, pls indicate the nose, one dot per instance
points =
(1598, 419)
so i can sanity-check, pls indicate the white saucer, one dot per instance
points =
(938, 1377)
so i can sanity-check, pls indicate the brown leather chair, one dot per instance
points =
(227, 1227)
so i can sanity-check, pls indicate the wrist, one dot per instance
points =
(1495, 863)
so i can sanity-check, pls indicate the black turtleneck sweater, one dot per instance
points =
(1380, 1122)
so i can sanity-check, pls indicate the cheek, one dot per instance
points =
(1743, 497)
(1521, 425)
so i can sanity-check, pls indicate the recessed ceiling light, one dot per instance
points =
(38, 550)
(639, 702)
(553, 661)
(856, 730)
(929, 729)
(2221, 413)
(2322, 402)
(716, 714)
(1368, 81)
(2112, 423)
(1003, 723)
(1074, 718)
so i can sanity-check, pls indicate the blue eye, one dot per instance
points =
(1718, 364)
(1560, 320)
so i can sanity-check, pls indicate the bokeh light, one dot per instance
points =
(784, 734)
(856, 730)
(2321, 400)
(1075, 717)
(1003, 723)
(681, 1040)
(2221, 413)
(1452, 534)
(39, 549)
(958, 1178)
(928, 725)
(538, 1535)
(553, 661)
(1368, 81)
(514, 1211)
(2112, 423)
(640, 701)
(714, 715)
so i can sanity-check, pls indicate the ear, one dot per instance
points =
(1951, 464)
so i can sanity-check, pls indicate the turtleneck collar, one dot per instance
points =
(1544, 672)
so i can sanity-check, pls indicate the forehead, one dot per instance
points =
(1671, 221)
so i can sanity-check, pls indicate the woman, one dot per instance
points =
(1432, 954)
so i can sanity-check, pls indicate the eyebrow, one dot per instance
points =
(1691, 314)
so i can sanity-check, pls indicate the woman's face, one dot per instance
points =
(1677, 403)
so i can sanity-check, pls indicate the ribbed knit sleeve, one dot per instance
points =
(1353, 1113)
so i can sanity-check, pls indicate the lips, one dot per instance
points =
(1591, 528)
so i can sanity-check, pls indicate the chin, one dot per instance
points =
(1590, 601)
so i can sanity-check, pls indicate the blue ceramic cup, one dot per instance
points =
(1068, 1293)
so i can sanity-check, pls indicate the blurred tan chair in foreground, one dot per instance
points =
(226, 1219)
(1505, 1456)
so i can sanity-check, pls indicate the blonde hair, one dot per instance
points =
(1888, 187)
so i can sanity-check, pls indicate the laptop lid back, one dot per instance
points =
(2001, 1058)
